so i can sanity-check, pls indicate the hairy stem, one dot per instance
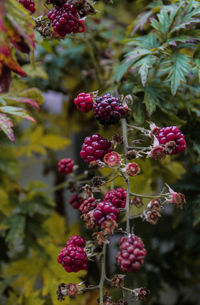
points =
(103, 273)
(126, 177)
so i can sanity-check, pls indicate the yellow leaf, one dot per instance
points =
(54, 141)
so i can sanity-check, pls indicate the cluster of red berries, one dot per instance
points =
(95, 148)
(29, 5)
(65, 19)
(107, 108)
(88, 205)
(172, 135)
(104, 211)
(65, 166)
(76, 201)
(131, 254)
(73, 256)
(116, 197)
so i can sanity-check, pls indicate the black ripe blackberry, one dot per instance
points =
(108, 109)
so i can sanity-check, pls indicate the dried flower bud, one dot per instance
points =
(152, 216)
(121, 302)
(101, 238)
(170, 146)
(132, 169)
(137, 201)
(118, 281)
(109, 226)
(142, 294)
(154, 204)
(70, 289)
(157, 153)
(154, 129)
(117, 139)
(112, 158)
(177, 198)
(131, 154)
(97, 181)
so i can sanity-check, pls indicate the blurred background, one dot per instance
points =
(36, 218)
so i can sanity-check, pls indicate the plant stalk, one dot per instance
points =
(103, 274)
(126, 177)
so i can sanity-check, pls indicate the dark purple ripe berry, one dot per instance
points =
(108, 109)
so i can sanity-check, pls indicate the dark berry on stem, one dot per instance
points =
(84, 102)
(88, 205)
(108, 109)
(116, 197)
(76, 240)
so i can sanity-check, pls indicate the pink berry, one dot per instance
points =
(116, 197)
(95, 148)
(76, 201)
(131, 254)
(84, 102)
(73, 258)
(172, 134)
(29, 5)
(76, 240)
(104, 211)
(65, 166)
(88, 205)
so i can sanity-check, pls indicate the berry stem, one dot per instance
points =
(147, 196)
(126, 177)
(103, 274)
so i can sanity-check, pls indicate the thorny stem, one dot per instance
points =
(103, 273)
(126, 177)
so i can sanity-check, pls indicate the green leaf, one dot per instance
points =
(16, 229)
(177, 67)
(17, 112)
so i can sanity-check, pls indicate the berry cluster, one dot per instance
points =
(88, 205)
(95, 148)
(65, 166)
(105, 210)
(84, 102)
(76, 201)
(116, 197)
(73, 257)
(172, 135)
(29, 5)
(108, 109)
(65, 19)
(131, 254)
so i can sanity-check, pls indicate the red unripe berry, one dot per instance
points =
(73, 258)
(104, 211)
(29, 5)
(84, 102)
(116, 197)
(95, 148)
(76, 201)
(65, 19)
(131, 254)
(76, 240)
(65, 166)
(88, 205)
(172, 134)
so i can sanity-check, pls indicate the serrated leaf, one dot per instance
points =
(20, 112)
(6, 126)
(177, 67)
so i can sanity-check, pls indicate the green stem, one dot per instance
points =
(147, 196)
(126, 177)
(103, 274)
